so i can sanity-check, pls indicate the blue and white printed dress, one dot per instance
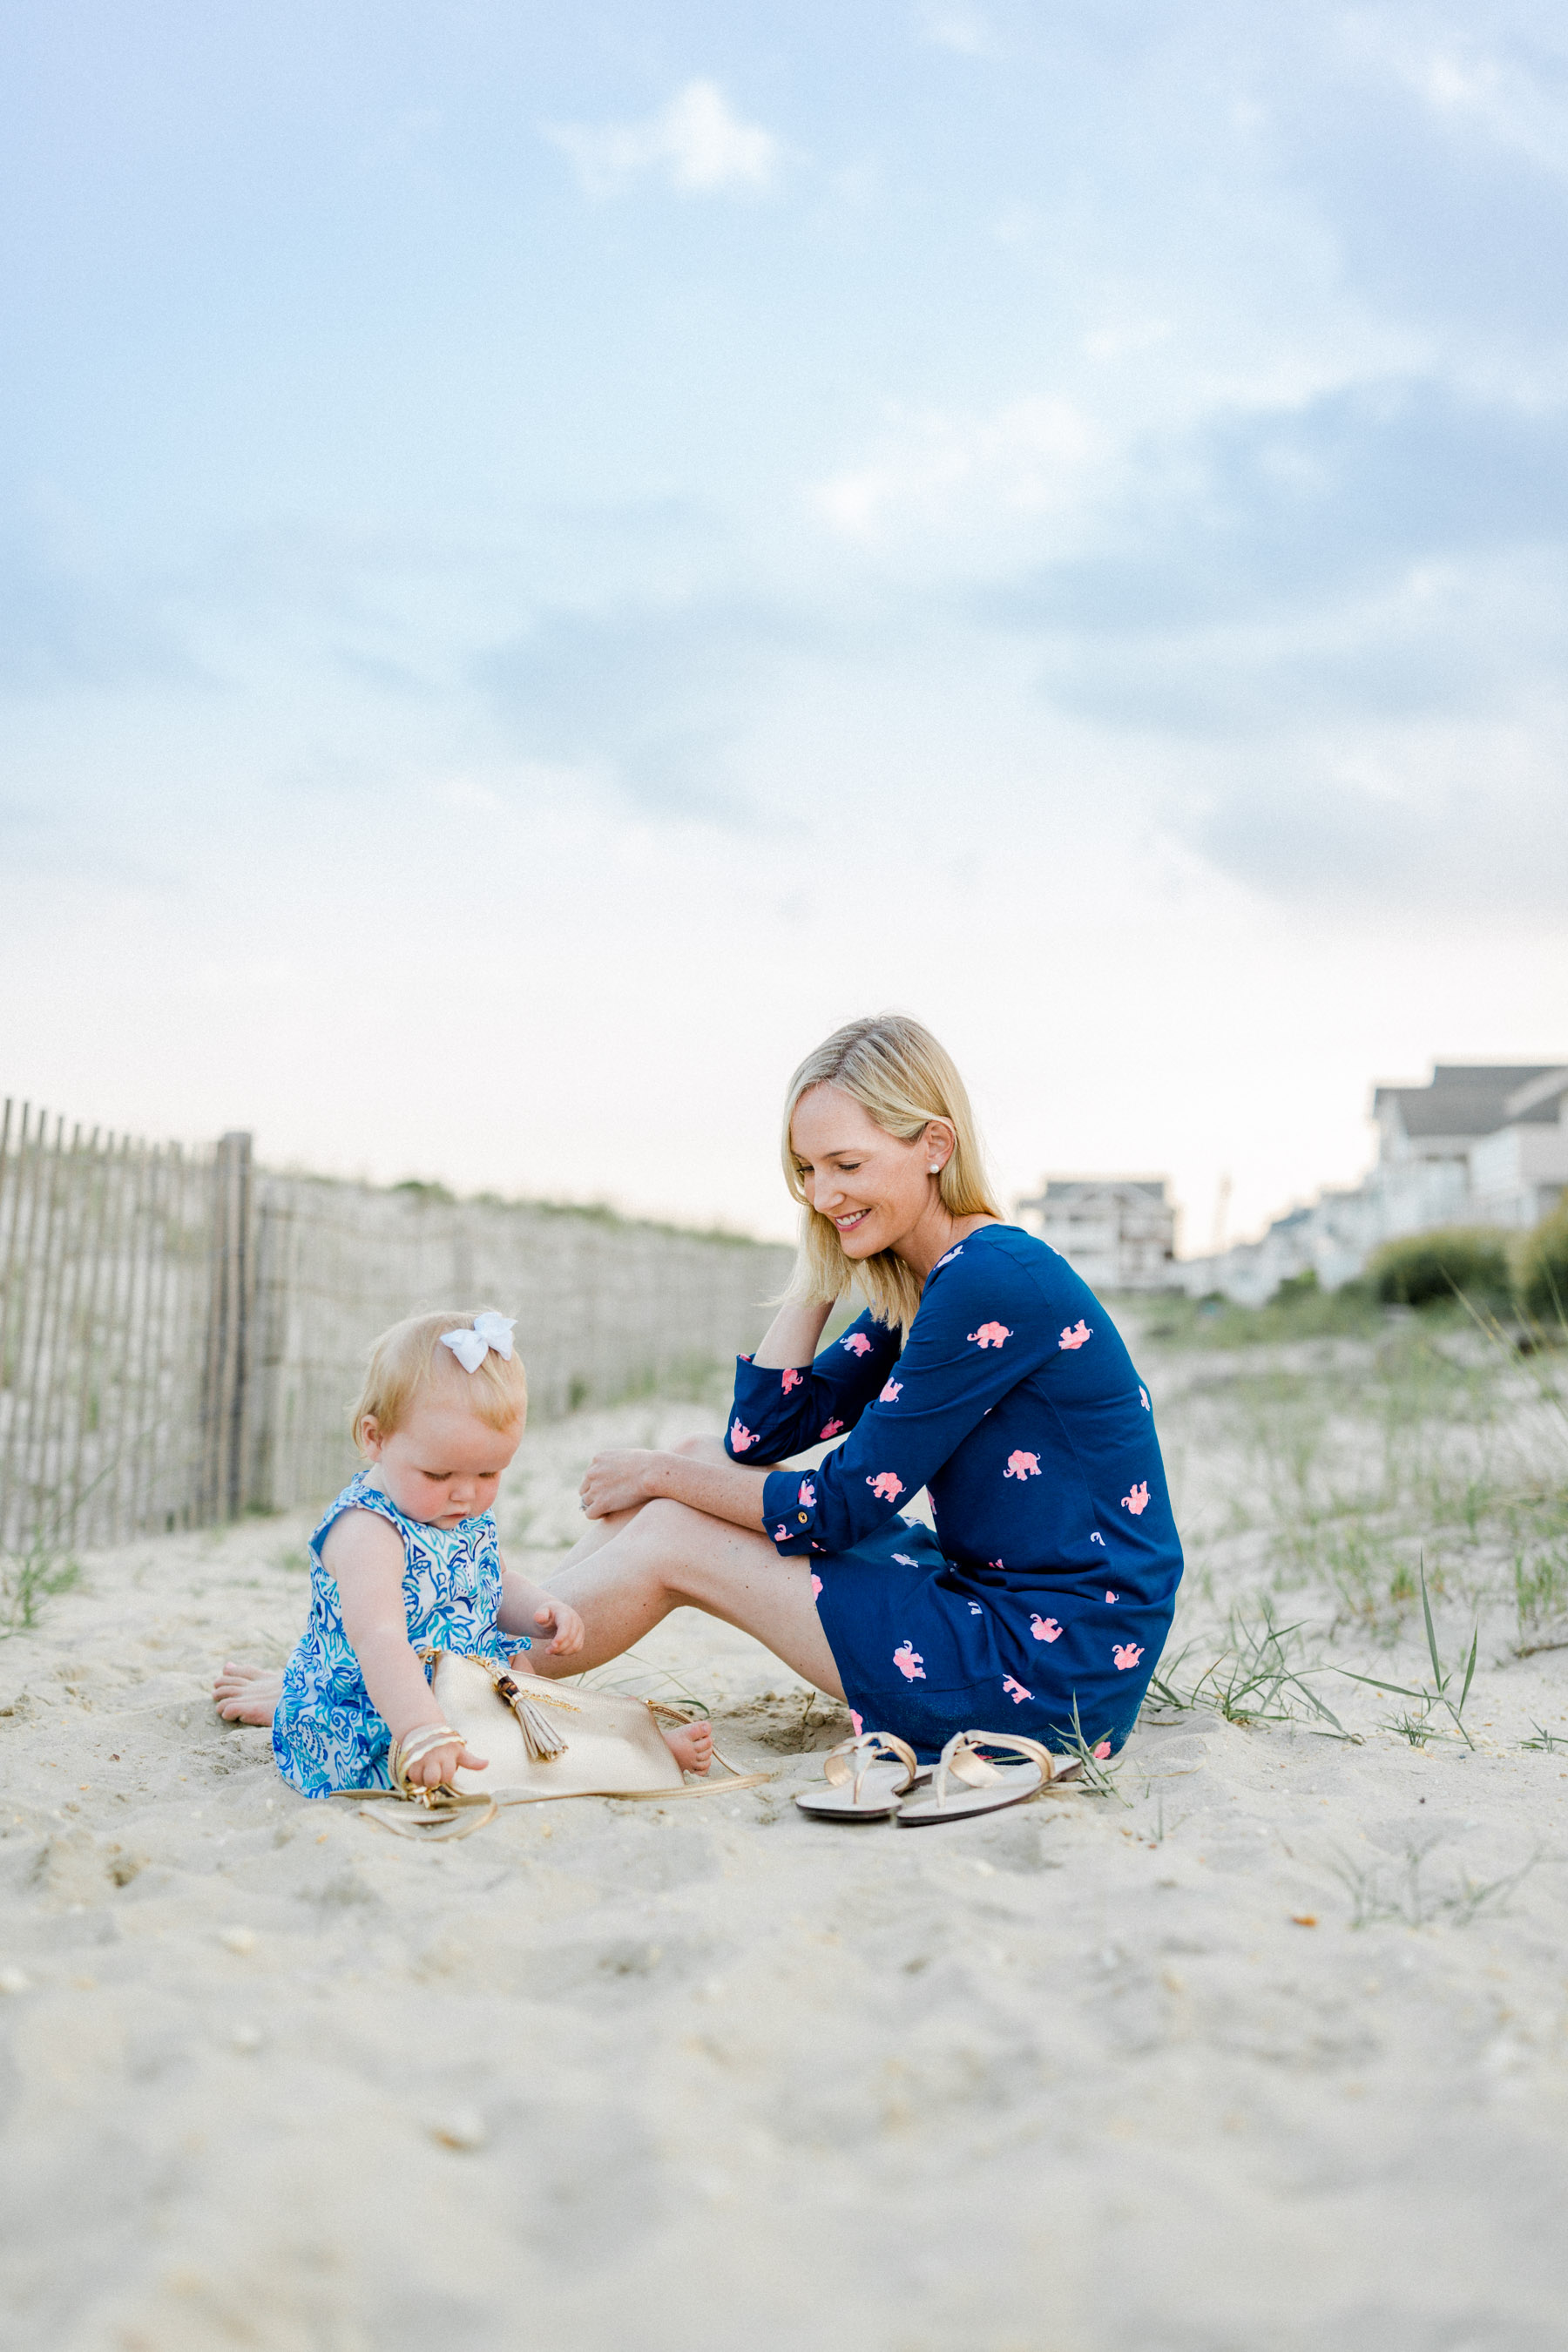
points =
(1049, 1585)
(326, 1733)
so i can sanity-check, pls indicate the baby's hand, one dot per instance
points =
(568, 1627)
(436, 1770)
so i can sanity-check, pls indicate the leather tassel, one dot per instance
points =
(539, 1736)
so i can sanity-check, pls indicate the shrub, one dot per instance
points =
(1423, 1269)
(1543, 1269)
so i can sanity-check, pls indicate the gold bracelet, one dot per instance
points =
(418, 1745)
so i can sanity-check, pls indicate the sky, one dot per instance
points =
(550, 557)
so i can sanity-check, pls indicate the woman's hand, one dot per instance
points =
(618, 1482)
(568, 1627)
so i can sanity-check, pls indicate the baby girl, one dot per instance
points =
(407, 1560)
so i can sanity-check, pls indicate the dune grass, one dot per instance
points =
(1351, 1489)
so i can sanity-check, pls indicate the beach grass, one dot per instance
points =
(1367, 1482)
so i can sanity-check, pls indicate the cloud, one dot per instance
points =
(1459, 818)
(62, 628)
(1518, 100)
(655, 696)
(1030, 457)
(949, 27)
(1338, 632)
(1276, 512)
(697, 143)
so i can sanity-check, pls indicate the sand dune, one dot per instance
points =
(708, 2075)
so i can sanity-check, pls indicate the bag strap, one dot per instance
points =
(431, 1817)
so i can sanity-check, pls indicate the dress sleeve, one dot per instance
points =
(979, 1332)
(779, 1413)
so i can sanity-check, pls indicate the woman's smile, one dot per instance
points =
(850, 1218)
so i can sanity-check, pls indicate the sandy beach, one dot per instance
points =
(1265, 2047)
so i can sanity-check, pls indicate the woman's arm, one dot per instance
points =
(781, 1409)
(619, 1482)
(791, 1337)
(364, 1554)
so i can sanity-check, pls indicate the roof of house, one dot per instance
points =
(1058, 1190)
(1540, 1099)
(1463, 1097)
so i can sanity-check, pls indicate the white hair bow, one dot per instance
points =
(471, 1347)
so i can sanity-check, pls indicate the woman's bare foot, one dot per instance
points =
(247, 1694)
(691, 1746)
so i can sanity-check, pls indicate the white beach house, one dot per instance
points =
(1118, 1232)
(1482, 1143)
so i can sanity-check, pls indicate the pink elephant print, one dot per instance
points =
(1014, 1690)
(1022, 1465)
(949, 1258)
(909, 1663)
(885, 1485)
(1126, 1655)
(791, 1379)
(805, 1495)
(857, 1343)
(1137, 1502)
(991, 1335)
(891, 1393)
(1078, 1337)
(1143, 1396)
(831, 1428)
(1099, 1538)
(1045, 1628)
(1111, 1599)
(859, 1727)
(815, 1585)
(996, 1563)
(780, 1534)
(740, 1437)
(1103, 1751)
(904, 1560)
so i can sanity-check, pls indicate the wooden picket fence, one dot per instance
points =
(182, 1333)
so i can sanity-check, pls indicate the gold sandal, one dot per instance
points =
(988, 1786)
(867, 1777)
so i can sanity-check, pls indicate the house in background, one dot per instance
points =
(1516, 1158)
(1118, 1232)
(1482, 1143)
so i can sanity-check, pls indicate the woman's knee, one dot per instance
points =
(665, 1522)
(703, 1449)
(686, 1548)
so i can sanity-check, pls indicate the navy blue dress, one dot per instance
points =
(1050, 1581)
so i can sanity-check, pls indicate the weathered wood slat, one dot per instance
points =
(182, 1335)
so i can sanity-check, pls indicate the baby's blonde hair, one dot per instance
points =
(895, 1069)
(409, 1360)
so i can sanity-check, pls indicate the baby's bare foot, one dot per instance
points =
(247, 1694)
(691, 1746)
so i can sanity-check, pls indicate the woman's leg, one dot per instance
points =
(699, 1449)
(668, 1556)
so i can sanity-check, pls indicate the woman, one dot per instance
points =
(984, 1370)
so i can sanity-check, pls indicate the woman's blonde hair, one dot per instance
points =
(894, 1068)
(409, 1360)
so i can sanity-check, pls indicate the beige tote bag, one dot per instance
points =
(545, 1740)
